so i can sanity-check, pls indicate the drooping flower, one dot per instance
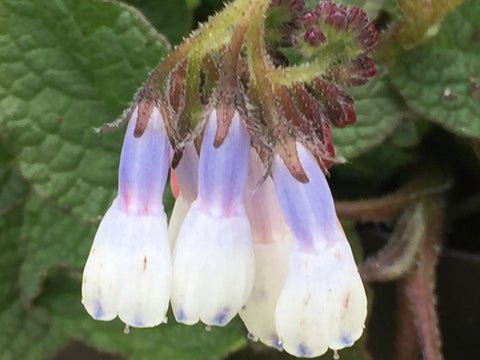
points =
(271, 239)
(323, 304)
(128, 271)
(213, 263)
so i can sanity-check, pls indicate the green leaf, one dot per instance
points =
(4, 154)
(28, 335)
(440, 79)
(13, 189)
(170, 341)
(379, 111)
(10, 256)
(25, 332)
(69, 66)
(171, 17)
(52, 239)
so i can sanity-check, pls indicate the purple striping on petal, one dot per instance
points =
(144, 167)
(222, 171)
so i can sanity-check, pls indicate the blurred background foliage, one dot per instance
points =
(69, 66)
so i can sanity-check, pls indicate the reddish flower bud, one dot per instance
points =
(314, 36)
(308, 19)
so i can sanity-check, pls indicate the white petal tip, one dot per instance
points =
(212, 278)
(323, 304)
(220, 317)
(128, 271)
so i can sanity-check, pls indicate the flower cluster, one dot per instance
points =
(254, 230)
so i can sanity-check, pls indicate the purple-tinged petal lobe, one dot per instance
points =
(323, 303)
(213, 263)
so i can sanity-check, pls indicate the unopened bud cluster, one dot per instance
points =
(254, 230)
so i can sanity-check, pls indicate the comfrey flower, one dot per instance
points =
(128, 272)
(213, 264)
(254, 229)
(323, 304)
(271, 239)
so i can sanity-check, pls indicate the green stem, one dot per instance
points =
(302, 73)
(209, 37)
(257, 56)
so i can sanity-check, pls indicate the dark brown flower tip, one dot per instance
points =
(177, 156)
(145, 109)
(339, 106)
(224, 119)
(288, 152)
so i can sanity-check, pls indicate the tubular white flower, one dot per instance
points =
(323, 303)
(128, 271)
(271, 239)
(213, 264)
(186, 176)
